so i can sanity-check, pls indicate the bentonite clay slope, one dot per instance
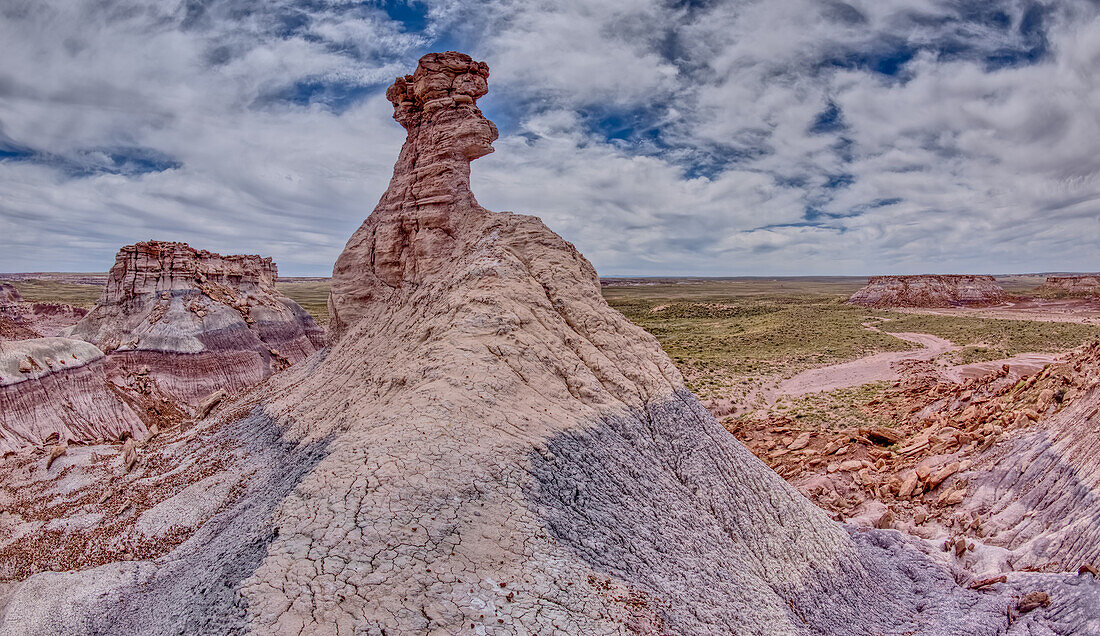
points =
(56, 389)
(502, 454)
(1086, 285)
(198, 321)
(1038, 493)
(929, 291)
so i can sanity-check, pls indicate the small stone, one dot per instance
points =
(942, 474)
(909, 486)
(956, 497)
(1033, 600)
(55, 452)
(802, 441)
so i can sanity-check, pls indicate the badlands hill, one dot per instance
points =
(927, 290)
(198, 321)
(173, 327)
(1084, 285)
(484, 447)
(55, 390)
(9, 295)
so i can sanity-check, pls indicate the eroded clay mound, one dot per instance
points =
(494, 450)
(198, 321)
(929, 291)
(21, 320)
(9, 295)
(55, 390)
(1087, 285)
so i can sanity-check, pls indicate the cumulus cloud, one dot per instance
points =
(721, 138)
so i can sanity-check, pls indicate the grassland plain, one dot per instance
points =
(733, 337)
(310, 293)
(985, 339)
(46, 290)
(730, 335)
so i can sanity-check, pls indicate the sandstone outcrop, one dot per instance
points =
(55, 390)
(198, 321)
(929, 291)
(1084, 285)
(486, 447)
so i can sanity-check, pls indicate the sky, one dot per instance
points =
(703, 138)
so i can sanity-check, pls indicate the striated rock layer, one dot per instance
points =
(1085, 285)
(929, 290)
(486, 447)
(198, 321)
(56, 390)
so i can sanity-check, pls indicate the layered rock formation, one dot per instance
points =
(198, 321)
(929, 291)
(411, 235)
(486, 447)
(55, 390)
(1084, 285)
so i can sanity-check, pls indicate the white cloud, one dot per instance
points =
(950, 165)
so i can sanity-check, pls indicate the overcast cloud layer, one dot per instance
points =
(695, 138)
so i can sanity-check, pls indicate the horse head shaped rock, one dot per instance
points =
(411, 232)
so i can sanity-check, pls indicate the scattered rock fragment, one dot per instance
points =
(986, 582)
(1032, 601)
(210, 403)
(802, 441)
(56, 451)
(129, 454)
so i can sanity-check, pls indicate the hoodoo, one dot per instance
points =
(929, 291)
(198, 321)
(487, 448)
